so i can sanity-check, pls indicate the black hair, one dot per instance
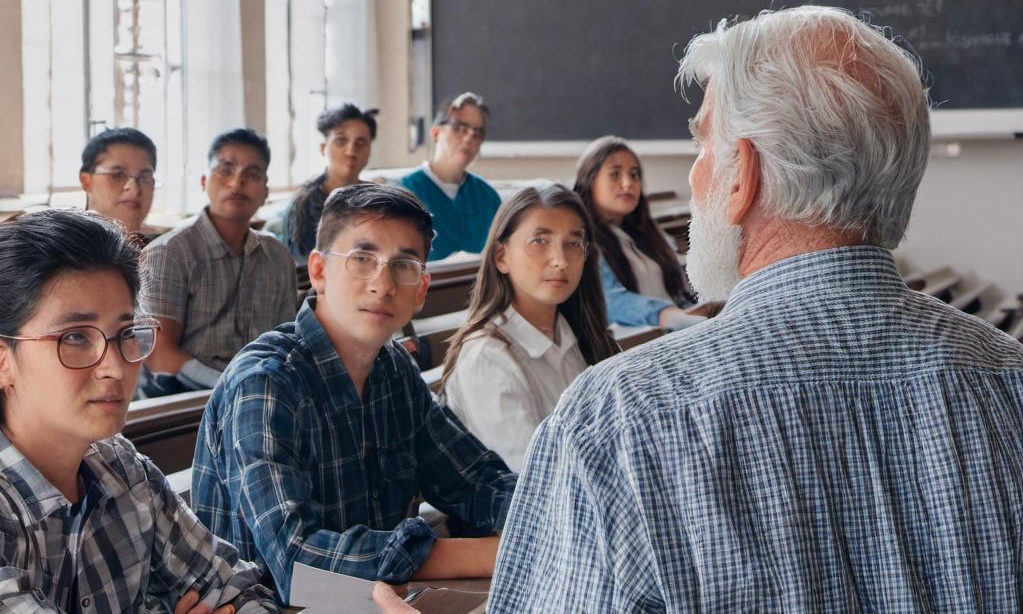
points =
(37, 247)
(115, 136)
(639, 225)
(374, 200)
(239, 136)
(332, 118)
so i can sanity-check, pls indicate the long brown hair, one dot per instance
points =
(584, 309)
(639, 225)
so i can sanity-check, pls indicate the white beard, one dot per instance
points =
(713, 260)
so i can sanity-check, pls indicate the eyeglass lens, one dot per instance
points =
(365, 265)
(84, 347)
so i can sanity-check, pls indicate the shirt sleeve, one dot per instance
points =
(187, 555)
(574, 541)
(266, 474)
(629, 308)
(166, 285)
(288, 306)
(489, 392)
(456, 473)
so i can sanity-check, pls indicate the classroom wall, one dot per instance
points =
(969, 210)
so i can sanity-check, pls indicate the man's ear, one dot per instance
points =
(500, 259)
(317, 267)
(202, 182)
(421, 288)
(745, 188)
(6, 366)
(435, 133)
(323, 147)
(86, 180)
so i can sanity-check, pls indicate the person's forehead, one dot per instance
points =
(240, 154)
(551, 218)
(124, 154)
(621, 159)
(376, 230)
(350, 127)
(469, 114)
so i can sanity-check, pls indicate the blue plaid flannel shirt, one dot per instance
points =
(132, 544)
(831, 442)
(291, 466)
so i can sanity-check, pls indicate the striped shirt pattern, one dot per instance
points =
(292, 466)
(132, 544)
(831, 442)
(221, 300)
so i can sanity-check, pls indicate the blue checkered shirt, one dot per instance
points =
(131, 543)
(831, 442)
(291, 466)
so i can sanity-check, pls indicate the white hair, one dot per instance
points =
(836, 112)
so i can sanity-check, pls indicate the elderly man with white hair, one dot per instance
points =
(832, 441)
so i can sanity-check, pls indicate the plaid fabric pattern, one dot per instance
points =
(292, 466)
(831, 442)
(133, 547)
(222, 301)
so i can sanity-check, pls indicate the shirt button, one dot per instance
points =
(376, 494)
(86, 602)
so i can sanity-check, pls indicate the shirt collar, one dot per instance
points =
(865, 270)
(40, 496)
(213, 239)
(429, 173)
(519, 331)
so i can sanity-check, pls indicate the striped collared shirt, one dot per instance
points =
(221, 300)
(130, 545)
(831, 442)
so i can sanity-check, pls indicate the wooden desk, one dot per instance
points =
(450, 286)
(165, 428)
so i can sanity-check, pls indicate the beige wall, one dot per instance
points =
(253, 27)
(12, 170)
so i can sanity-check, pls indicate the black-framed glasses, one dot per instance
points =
(120, 177)
(462, 129)
(82, 347)
(367, 265)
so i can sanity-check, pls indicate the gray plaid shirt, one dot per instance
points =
(222, 301)
(131, 543)
(831, 442)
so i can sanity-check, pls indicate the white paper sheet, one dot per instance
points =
(320, 592)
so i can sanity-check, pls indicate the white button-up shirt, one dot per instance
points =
(508, 378)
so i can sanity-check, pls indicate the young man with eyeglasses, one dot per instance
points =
(217, 284)
(117, 174)
(86, 523)
(462, 204)
(322, 433)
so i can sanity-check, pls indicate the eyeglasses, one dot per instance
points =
(462, 129)
(85, 346)
(120, 177)
(541, 245)
(227, 170)
(366, 265)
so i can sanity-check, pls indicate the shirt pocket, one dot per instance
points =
(397, 477)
